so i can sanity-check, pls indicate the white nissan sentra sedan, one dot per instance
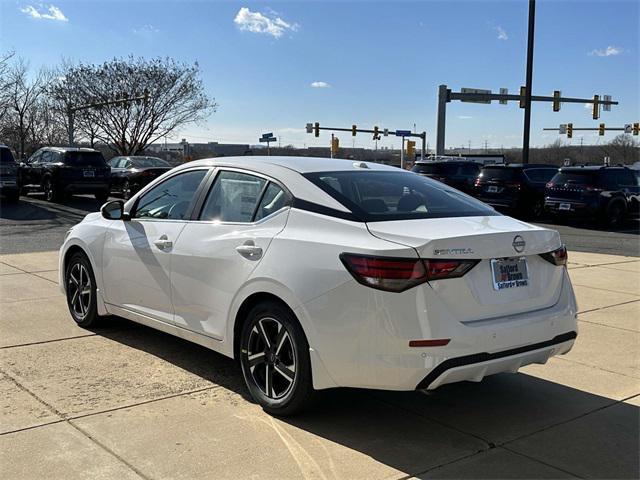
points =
(317, 273)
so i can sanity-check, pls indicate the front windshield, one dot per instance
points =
(388, 195)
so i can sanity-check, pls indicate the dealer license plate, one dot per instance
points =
(564, 206)
(509, 273)
(89, 173)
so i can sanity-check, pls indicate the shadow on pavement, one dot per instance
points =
(579, 432)
(35, 207)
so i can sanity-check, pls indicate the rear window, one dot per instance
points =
(499, 173)
(6, 156)
(383, 195)
(149, 162)
(82, 159)
(436, 168)
(575, 177)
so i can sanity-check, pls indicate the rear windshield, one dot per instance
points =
(382, 195)
(574, 177)
(81, 159)
(435, 168)
(6, 156)
(148, 162)
(499, 173)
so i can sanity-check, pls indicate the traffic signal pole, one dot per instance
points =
(527, 100)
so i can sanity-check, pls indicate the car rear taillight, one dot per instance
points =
(477, 182)
(400, 274)
(557, 257)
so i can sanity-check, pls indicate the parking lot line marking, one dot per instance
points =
(608, 306)
(605, 290)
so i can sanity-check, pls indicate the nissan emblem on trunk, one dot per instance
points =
(518, 244)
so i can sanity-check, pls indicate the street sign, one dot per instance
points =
(606, 107)
(309, 127)
(563, 129)
(385, 132)
(504, 91)
(267, 135)
(628, 128)
(474, 90)
(267, 139)
(403, 133)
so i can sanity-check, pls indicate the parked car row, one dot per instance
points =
(62, 171)
(607, 194)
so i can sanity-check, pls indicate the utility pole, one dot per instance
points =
(443, 98)
(527, 99)
(402, 154)
(331, 149)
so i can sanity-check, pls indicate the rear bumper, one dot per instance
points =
(362, 338)
(477, 366)
(577, 208)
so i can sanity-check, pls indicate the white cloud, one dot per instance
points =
(44, 12)
(606, 52)
(268, 24)
(145, 30)
(502, 35)
(464, 117)
(320, 85)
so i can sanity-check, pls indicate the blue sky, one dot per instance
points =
(274, 66)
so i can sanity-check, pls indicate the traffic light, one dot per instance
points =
(335, 145)
(523, 93)
(316, 129)
(569, 130)
(596, 107)
(411, 149)
(636, 128)
(353, 130)
(376, 133)
(556, 100)
(601, 129)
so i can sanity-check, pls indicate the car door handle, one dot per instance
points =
(163, 243)
(252, 252)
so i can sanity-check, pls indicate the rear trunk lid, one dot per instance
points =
(474, 296)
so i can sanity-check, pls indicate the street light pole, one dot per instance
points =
(528, 88)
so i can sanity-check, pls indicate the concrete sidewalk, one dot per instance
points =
(125, 401)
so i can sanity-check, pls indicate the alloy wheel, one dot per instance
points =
(271, 358)
(126, 190)
(79, 288)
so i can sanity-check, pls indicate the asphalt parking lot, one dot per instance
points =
(125, 401)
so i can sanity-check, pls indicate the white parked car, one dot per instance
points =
(317, 273)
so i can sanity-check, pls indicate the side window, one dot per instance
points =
(46, 157)
(113, 163)
(274, 199)
(35, 159)
(611, 180)
(126, 164)
(233, 197)
(171, 199)
(627, 178)
(470, 170)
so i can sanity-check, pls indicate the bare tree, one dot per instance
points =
(174, 90)
(623, 149)
(22, 97)
(5, 81)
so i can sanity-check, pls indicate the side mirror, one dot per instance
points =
(114, 210)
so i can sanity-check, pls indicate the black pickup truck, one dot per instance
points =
(60, 171)
(8, 175)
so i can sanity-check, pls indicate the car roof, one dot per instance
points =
(69, 149)
(296, 164)
(592, 168)
(521, 165)
(447, 162)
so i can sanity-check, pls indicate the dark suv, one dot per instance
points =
(8, 175)
(458, 174)
(130, 174)
(608, 194)
(60, 171)
(515, 188)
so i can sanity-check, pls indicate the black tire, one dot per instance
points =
(285, 356)
(102, 196)
(80, 285)
(536, 209)
(615, 214)
(51, 193)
